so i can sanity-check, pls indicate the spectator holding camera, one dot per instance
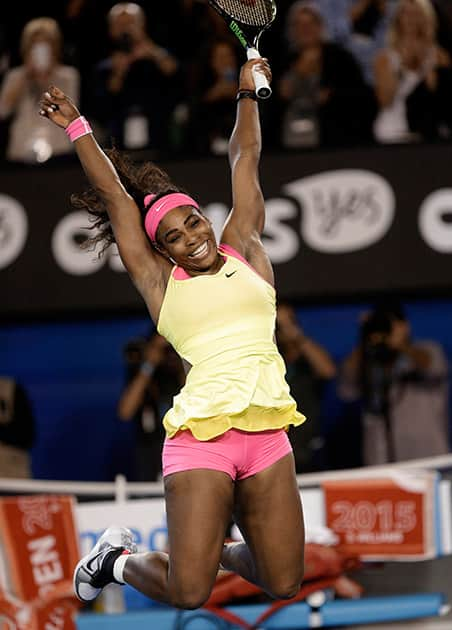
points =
(214, 99)
(309, 367)
(32, 139)
(325, 97)
(17, 429)
(154, 375)
(403, 387)
(134, 86)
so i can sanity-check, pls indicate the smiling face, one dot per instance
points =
(186, 236)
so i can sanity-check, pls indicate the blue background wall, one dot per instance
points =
(74, 373)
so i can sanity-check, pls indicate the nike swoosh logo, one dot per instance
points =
(90, 566)
(159, 207)
(228, 275)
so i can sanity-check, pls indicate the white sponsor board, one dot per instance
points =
(146, 518)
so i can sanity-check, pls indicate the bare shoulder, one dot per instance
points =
(253, 251)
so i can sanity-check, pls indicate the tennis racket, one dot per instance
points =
(248, 19)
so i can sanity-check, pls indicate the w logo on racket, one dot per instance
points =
(248, 19)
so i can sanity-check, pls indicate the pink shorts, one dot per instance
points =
(240, 454)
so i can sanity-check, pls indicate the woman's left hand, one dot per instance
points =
(246, 75)
(58, 107)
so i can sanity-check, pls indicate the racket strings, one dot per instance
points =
(249, 12)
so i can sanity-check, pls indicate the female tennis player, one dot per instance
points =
(226, 453)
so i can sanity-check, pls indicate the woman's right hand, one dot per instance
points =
(58, 107)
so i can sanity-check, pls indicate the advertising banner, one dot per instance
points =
(39, 549)
(384, 518)
(339, 224)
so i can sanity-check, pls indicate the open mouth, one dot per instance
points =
(200, 251)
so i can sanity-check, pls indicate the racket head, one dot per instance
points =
(247, 19)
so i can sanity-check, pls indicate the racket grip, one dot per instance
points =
(263, 89)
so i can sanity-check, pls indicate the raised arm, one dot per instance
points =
(386, 81)
(245, 223)
(145, 266)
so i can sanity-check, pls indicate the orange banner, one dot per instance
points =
(40, 549)
(383, 518)
(56, 614)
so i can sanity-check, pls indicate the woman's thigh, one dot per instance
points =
(199, 509)
(269, 514)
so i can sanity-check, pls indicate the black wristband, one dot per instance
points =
(246, 94)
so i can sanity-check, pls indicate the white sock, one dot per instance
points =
(118, 567)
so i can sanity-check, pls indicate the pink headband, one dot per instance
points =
(161, 207)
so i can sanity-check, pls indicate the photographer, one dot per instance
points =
(154, 375)
(127, 82)
(309, 367)
(403, 389)
(17, 429)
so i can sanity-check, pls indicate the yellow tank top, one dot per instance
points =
(223, 325)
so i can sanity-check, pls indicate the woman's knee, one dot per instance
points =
(189, 597)
(286, 587)
(284, 591)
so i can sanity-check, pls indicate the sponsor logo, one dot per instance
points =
(67, 238)
(281, 241)
(159, 207)
(228, 275)
(13, 230)
(343, 211)
(235, 28)
(435, 220)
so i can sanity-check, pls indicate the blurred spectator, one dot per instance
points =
(413, 78)
(31, 137)
(4, 54)
(403, 386)
(155, 374)
(135, 86)
(214, 99)
(198, 24)
(17, 430)
(368, 21)
(4, 65)
(443, 10)
(308, 368)
(327, 99)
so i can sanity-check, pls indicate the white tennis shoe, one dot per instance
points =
(95, 570)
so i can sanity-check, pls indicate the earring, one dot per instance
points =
(172, 260)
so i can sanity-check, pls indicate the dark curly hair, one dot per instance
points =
(138, 180)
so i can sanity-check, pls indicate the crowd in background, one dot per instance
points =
(385, 400)
(164, 76)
